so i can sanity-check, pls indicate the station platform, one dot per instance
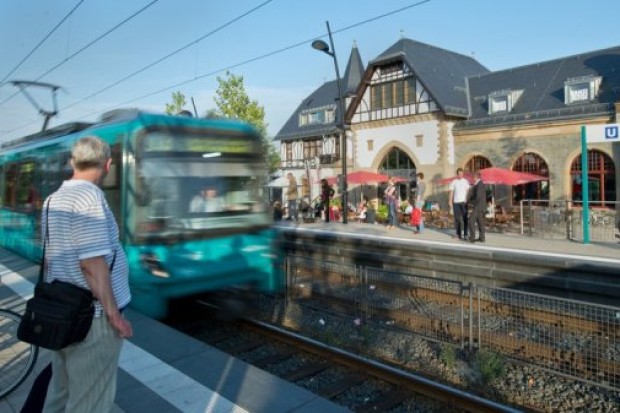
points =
(162, 370)
(519, 244)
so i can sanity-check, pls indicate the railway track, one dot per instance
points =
(348, 379)
(544, 343)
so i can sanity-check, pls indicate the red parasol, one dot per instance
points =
(366, 177)
(500, 176)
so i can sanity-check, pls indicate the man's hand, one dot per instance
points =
(121, 325)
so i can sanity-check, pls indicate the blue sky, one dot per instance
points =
(499, 34)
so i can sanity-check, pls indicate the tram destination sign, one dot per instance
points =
(603, 133)
(191, 143)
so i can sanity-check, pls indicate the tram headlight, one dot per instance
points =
(153, 265)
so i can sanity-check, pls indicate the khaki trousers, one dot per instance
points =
(84, 374)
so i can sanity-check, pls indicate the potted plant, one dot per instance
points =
(382, 213)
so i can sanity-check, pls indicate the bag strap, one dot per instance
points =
(47, 216)
(47, 232)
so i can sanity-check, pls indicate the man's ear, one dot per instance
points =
(108, 164)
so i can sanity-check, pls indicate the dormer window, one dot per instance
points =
(502, 101)
(581, 89)
(317, 116)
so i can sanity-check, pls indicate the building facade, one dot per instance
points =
(416, 107)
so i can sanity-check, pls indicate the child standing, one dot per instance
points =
(417, 220)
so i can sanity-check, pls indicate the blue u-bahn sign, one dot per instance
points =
(603, 133)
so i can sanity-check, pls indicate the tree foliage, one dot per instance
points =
(232, 101)
(177, 105)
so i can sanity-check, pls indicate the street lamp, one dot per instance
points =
(323, 47)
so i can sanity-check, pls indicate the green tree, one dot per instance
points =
(232, 101)
(178, 102)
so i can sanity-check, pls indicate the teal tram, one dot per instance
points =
(186, 192)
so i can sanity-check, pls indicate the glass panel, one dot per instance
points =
(387, 95)
(410, 96)
(2, 194)
(399, 95)
(376, 102)
(531, 163)
(601, 173)
(188, 195)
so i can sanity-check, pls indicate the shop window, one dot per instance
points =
(476, 163)
(534, 164)
(601, 179)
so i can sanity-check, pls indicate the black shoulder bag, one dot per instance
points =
(60, 313)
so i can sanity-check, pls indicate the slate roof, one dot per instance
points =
(325, 95)
(441, 71)
(353, 73)
(543, 89)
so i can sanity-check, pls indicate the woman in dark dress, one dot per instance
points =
(327, 193)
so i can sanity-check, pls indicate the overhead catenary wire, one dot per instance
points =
(169, 55)
(42, 41)
(91, 43)
(242, 63)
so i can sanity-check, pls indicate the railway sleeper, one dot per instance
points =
(331, 390)
(309, 369)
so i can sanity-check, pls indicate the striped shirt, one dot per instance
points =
(82, 226)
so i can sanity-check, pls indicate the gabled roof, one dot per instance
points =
(325, 95)
(441, 71)
(543, 89)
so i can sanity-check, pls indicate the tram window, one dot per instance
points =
(10, 181)
(20, 191)
(2, 186)
(26, 194)
(112, 180)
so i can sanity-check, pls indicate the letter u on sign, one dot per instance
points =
(611, 132)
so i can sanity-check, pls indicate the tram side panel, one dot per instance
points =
(160, 166)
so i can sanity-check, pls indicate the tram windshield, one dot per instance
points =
(183, 195)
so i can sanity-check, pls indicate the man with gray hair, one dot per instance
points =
(83, 248)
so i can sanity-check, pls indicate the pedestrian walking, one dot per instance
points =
(291, 196)
(391, 198)
(420, 188)
(478, 197)
(457, 200)
(327, 193)
(83, 249)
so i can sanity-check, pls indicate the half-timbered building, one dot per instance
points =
(417, 107)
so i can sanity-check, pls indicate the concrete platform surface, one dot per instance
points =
(163, 370)
(517, 243)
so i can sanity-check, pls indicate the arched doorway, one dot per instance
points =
(531, 163)
(601, 179)
(476, 163)
(397, 163)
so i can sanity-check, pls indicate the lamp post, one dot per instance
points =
(323, 47)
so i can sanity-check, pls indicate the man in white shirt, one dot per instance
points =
(458, 203)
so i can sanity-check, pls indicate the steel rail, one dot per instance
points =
(421, 385)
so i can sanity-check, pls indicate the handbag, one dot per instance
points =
(60, 313)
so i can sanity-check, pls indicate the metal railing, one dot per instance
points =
(564, 219)
(572, 338)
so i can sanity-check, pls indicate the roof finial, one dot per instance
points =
(402, 34)
(354, 44)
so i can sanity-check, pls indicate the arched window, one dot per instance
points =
(476, 163)
(398, 163)
(534, 164)
(601, 178)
